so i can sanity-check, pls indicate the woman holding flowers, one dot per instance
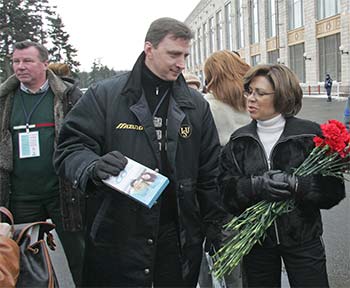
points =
(258, 163)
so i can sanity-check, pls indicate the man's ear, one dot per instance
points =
(148, 49)
(46, 64)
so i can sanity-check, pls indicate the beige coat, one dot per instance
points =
(227, 120)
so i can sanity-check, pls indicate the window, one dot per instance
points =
(191, 63)
(296, 60)
(330, 57)
(271, 18)
(296, 16)
(219, 30)
(239, 24)
(211, 35)
(194, 46)
(327, 8)
(272, 56)
(228, 27)
(255, 60)
(254, 22)
(199, 45)
(205, 40)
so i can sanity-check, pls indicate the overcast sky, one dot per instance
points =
(114, 30)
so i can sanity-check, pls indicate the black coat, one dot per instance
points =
(91, 130)
(328, 84)
(244, 157)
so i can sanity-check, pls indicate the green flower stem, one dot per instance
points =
(313, 158)
(252, 230)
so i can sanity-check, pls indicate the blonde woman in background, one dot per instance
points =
(224, 71)
(60, 69)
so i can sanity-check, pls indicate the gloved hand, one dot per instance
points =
(213, 239)
(109, 164)
(291, 180)
(268, 189)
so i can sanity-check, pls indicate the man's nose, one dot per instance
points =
(181, 63)
(20, 65)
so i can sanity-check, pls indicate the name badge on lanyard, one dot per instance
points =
(29, 141)
(29, 144)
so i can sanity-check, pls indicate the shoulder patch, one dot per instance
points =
(185, 131)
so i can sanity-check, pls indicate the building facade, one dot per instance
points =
(312, 37)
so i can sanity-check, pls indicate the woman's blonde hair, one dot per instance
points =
(224, 71)
(60, 69)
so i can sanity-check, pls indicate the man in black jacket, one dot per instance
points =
(151, 116)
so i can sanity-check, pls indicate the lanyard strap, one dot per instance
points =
(160, 102)
(26, 115)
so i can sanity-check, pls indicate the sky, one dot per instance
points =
(113, 31)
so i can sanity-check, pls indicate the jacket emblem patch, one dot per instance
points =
(129, 126)
(185, 131)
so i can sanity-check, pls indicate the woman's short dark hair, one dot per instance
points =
(288, 93)
(165, 26)
(43, 53)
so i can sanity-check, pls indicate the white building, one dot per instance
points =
(312, 37)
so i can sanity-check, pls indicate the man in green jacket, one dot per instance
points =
(33, 104)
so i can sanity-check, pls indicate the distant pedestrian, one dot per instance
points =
(328, 82)
(60, 69)
(192, 81)
(347, 114)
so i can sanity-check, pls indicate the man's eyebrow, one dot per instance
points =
(175, 52)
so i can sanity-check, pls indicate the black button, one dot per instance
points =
(149, 241)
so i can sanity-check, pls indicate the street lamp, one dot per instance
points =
(342, 50)
(279, 61)
(305, 57)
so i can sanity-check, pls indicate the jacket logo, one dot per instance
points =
(185, 131)
(129, 126)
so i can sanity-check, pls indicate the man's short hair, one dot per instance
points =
(162, 27)
(43, 53)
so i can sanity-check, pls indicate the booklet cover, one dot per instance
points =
(139, 182)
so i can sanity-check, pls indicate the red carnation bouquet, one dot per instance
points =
(330, 157)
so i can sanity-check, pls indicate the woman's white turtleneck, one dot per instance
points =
(269, 132)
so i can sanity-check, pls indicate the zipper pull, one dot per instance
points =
(157, 90)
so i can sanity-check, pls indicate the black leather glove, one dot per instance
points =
(268, 189)
(213, 239)
(109, 164)
(289, 179)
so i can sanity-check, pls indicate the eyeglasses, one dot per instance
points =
(256, 93)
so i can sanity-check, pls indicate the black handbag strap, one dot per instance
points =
(9, 215)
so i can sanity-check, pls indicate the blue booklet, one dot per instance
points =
(139, 182)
